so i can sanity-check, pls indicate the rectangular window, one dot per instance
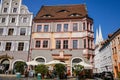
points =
(8, 46)
(84, 43)
(5, 10)
(88, 43)
(24, 19)
(3, 20)
(10, 31)
(91, 27)
(14, 10)
(13, 20)
(87, 26)
(75, 27)
(91, 43)
(58, 28)
(45, 43)
(22, 31)
(83, 26)
(46, 28)
(20, 46)
(37, 45)
(65, 27)
(1, 31)
(75, 44)
(118, 40)
(39, 28)
(65, 44)
(58, 44)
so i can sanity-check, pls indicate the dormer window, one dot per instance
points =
(63, 10)
(47, 15)
(75, 14)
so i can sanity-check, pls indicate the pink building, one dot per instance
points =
(63, 33)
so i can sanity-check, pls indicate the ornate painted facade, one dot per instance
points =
(62, 33)
(15, 31)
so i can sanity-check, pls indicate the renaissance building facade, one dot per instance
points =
(15, 31)
(64, 33)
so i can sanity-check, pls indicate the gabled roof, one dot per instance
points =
(63, 11)
(112, 36)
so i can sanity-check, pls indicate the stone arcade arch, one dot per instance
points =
(6, 64)
(13, 64)
(74, 61)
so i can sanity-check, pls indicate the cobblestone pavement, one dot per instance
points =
(13, 77)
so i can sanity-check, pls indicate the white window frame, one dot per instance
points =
(5, 11)
(14, 10)
(2, 31)
(2, 20)
(25, 31)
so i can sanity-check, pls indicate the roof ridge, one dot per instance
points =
(62, 5)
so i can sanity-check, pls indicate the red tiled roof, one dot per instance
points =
(64, 11)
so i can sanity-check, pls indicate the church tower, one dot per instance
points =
(99, 37)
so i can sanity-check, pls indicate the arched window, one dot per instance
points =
(75, 61)
(41, 60)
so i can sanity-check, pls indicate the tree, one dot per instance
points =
(60, 69)
(19, 66)
(42, 69)
(78, 69)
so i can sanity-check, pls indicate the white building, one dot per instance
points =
(15, 31)
(103, 54)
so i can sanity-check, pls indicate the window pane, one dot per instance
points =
(5, 10)
(10, 31)
(65, 44)
(58, 44)
(75, 44)
(84, 43)
(8, 46)
(38, 44)
(20, 46)
(65, 27)
(45, 44)
(39, 28)
(46, 27)
(22, 31)
(75, 27)
(83, 26)
(24, 19)
(1, 31)
(14, 10)
(13, 20)
(58, 28)
(3, 20)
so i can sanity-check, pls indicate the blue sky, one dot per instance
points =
(104, 12)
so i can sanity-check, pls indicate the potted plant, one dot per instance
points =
(19, 66)
(77, 70)
(42, 69)
(60, 70)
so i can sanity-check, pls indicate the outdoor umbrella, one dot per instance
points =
(86, 65)
(55, 62)
(33, 63)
